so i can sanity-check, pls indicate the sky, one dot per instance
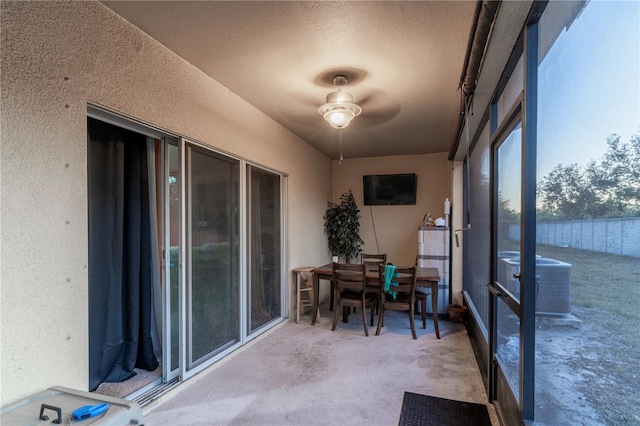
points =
(589, 85)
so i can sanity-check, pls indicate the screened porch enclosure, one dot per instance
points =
(558, 204)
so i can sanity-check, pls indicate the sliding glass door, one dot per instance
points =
(213, 272)
(214, 222)
(264, 257)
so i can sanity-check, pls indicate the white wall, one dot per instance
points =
(396, 227)
(56, 57)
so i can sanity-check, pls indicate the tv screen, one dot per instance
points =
(389, 190)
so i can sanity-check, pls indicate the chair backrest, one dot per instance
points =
(350, 276)
(374, 259)
(403, 282)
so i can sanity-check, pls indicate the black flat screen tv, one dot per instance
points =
(389, 190)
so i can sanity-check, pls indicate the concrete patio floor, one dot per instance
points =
(299, 374)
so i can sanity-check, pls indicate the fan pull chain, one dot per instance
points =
(340, 143)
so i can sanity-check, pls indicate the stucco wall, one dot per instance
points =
(56, 57)
(396, 227)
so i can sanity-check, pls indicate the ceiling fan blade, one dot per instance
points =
(378, 107)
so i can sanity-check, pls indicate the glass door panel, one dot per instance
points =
(264, 249)
(173, 262)
(508, 345)
(213, 291)
(509, 156)
(506, 284)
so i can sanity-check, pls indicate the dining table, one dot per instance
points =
(425, 277)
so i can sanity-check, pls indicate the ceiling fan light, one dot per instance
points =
(339, 109)
(339, 114)
(339, 118)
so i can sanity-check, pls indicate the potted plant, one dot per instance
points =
(456, 312)
(342, 227)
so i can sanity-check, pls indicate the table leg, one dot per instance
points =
(316, 292)
(434, 306)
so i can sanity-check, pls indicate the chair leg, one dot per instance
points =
(364, 319)
(423, 310)
(412, 322)
(380, 319)
(335, 316)
(298, 298)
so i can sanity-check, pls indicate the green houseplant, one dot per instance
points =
(342, 227)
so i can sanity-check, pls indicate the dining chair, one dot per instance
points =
(398, 292)
(349, 286)
(372, 286)
(422, 293)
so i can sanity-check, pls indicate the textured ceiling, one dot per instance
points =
(403, 60)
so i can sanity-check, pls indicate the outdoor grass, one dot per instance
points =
(606, 298)
(601, 280)
(603, 357)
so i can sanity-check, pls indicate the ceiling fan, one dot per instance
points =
(301, 106)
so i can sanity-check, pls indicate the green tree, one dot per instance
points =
(621, 163)
(565, 193)
(505, 212)
(606, 188)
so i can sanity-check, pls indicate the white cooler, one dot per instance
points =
(57, 403)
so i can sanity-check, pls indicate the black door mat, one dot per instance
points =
(428, 410)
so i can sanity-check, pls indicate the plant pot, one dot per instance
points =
(456, 313)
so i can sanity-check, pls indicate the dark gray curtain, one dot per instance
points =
(121, 312)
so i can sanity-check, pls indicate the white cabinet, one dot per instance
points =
(433, 251)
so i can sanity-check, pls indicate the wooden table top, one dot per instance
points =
(422, 274)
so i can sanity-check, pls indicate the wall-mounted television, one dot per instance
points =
(389, 190)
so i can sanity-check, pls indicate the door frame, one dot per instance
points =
(500, 393)
(525, 109)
